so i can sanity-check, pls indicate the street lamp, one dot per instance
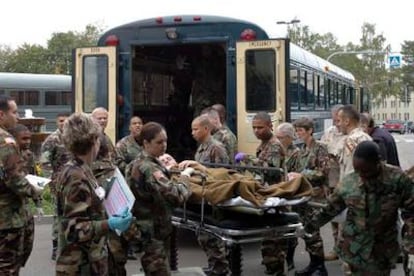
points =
(288, 23)
(366, 52)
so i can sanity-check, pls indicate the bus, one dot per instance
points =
(45, 94)
(167, 69)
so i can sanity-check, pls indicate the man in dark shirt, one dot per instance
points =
(383, 138)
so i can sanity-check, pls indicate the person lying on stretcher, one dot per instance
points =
(221, 184)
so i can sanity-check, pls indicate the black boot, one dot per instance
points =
(54, 249)
(316, 267)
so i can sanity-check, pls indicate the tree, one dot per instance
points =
(407, 51)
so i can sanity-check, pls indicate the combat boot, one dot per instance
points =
(316, 267)
(54, 249)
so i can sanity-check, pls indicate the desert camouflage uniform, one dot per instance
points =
(81, 216)
(346, 153)
(314, 165)
(53, 156)
(127, 150)
(228, 139)
(156, 196)
(369, 243)
(103, 169)
(14, 188)
(29, 168)
(212, 151)
(334, 140)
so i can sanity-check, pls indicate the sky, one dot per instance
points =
(33, 22)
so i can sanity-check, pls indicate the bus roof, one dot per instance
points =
(306, 58)
(35, 81)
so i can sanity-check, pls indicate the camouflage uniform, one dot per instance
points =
(81, 216)
(334, 140)
(291, 161)
(213, 151)
(156, 196)
(127, 150)
(29, 168)
(270, 153)
(14, 188)
(355, 137)
(228, 139)
(103, 169)
(314, 165)
(370, 245)
(53, 156)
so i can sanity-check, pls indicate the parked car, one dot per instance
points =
(395, 126)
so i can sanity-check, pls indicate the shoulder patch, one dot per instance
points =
(160, 177)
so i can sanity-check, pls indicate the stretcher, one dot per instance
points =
(237, 222)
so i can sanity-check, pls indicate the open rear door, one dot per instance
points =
(95, 83)
(262, 72)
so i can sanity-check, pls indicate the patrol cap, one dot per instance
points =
(368, 151)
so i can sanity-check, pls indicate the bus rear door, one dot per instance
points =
(95, 83)
(262, 74)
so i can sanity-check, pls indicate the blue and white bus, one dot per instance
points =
(166, 69)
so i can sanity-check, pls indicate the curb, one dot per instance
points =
(47, 219)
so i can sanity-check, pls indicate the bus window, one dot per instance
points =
(260, 80)
(25, 97)
(293, 90)
(95, 86)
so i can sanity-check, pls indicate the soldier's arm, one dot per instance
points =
(12, 172)
(47, 152)
(120, 157)
(335, 206)
(318, 175)
(219, 155)
(407, 213)
(77, 225)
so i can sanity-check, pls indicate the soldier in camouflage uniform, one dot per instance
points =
(373, 192)
(103, 168)
(82, 219)
(313, 164)
(156, 196)
(285, 132)
(23, 139)
(53, 156)
(348, 124)
(269, 153)
(128, 148)
(14, 188)
(333, 138)
(222, 134)
(210, 151)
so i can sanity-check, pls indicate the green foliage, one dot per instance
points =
(56, 58)
(47, 203)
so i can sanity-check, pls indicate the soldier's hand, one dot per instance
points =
(410, 264)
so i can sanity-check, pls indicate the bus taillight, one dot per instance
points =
(178, 19)
(112, 40)
(247, 35)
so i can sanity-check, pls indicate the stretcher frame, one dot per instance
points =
(233, 237)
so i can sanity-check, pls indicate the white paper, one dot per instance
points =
(38, 181)
(119, 197)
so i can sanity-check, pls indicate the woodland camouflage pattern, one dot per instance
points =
(14, 188)
(81, 215)
(369, 240)
(127, 150)
(211, 151)
(156, 196)
(229, 141)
